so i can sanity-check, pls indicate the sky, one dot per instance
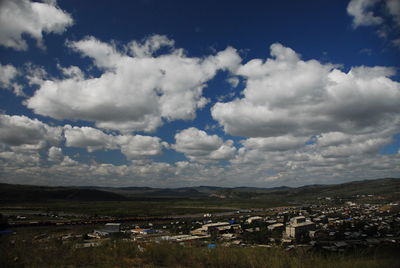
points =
(187, 93)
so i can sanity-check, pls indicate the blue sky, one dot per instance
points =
(182, 93)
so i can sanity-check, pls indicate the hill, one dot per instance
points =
(386, 187)
(24, 193)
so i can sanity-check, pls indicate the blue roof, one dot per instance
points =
(6, 232)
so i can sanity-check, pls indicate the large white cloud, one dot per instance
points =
(136, 90)
(306, 121)
(22, 133)
(134, 147)
(197, 145)
(305, 117)
(20, 17)
(288, 96)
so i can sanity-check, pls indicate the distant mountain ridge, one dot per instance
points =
(16, 193)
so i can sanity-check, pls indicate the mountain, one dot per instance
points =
(387, 186)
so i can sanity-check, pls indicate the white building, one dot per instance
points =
(299, 226)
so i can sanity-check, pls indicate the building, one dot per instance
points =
(298, 227)
(220, 227)
(109, 228)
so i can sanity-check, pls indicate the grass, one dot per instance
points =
(25, 252)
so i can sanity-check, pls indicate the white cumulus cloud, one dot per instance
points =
(23, 17)
(285, 95)
(197, 145)
(23, 133)
(136, 90)
(134, 147)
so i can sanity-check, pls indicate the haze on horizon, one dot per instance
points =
(220, 93)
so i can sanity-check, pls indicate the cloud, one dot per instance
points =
(278, 168)
(10, 159)
(371, 145)
(285, 95)
(8, 74)
(197, 145)
(282, 143)
(393, 6)
(136, 90)
(384, 15)
(89, 138)
(362, 16)
(301, 121)
(22, 133)
(267, 161)
(55, 154)
(23, 17)
(139, 147)
(304, 120)
(134, 147)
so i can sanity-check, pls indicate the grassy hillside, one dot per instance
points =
(25, 193)
(127, 254)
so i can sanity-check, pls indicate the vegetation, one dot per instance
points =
(118, 253)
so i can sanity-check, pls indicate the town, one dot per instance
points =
(325, 225)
